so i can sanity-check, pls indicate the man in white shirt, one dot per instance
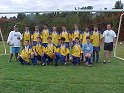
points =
(109, 40)
(14, 39)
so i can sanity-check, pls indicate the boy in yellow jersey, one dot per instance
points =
(96, 40)
(76, 33)
(38, 51)
(35, 35)
(49, 52)
(76, 52)
(55, 36)
(26, 36)
(62, 52)
(25, 55)
(65, 34)
(84, 35)
(45, 34)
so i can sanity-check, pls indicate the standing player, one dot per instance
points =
(14, 41)
(35, 35)
(76, 51)
(65, 34)
(84, 35)
(49, 52)
(26, 36)
(25, 55)
(62, 53)
(88, 51)
(76, 33)
(96, 40)
(109, 40)
(55, 36)
(45, 34)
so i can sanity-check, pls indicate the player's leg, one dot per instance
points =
(110, 49)
(11, 55)
(33, 58)
(56, 58)
(17, 50)
(105, 52)
(44, 60)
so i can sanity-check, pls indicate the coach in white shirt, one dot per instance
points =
(109, 39)
(14, 39)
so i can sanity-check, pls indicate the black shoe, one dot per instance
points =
(9, 61)
(56, 64)
(103, 62)
(109, 62)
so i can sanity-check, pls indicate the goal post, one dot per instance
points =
(119, 29)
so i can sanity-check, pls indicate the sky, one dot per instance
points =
(27, 5)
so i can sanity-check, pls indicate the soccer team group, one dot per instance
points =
(47, 47)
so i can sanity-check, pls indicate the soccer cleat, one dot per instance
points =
(109, 62)
(103, 62)
(9, 61)
(56, 64)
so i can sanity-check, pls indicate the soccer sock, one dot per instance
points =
(33, 60)
(21, 60)
(97, 58)
(93, 56)
(89, 60)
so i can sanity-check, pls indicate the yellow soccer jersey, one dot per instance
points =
(84, 35)
(50, 49)
(55, 38)
(76, 34)
(76, 50)
(35, 35)
(25, 53)
(63, 50)
(96, 38)
(65, 35)
(45, 34)
(26, 36)
(39, 48)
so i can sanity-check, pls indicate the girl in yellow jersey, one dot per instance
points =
(45, 34)
(55, 36)
(61, 53)
(35, 35)
(96, 40)
(25, 55)
(26, 36)
(84, 35)
(49, 52)
(77, 52)
(76, 33)
(65, 34)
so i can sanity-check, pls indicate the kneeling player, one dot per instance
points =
(38, 51)
(49, 52)
(76, 52)
(62, 52)
(88, 50)
(25, 55)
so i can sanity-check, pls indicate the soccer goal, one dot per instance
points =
(119, 48)
(68, 18)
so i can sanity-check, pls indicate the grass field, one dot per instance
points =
(15, 78)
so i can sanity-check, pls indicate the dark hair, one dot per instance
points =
(62, 39)
(77, 38)
(46, 25)
(88, 37)
(49, 38)
(27, 41)
(109, 24)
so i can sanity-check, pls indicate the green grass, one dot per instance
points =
(15, 78)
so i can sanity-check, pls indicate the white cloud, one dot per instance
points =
(26, 5)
